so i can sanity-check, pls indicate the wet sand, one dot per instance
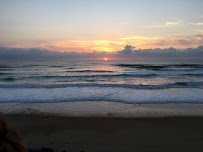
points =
(104, 109)
(108, 127)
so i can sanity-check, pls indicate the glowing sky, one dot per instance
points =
(100, 25)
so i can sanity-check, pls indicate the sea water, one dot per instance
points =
(127, 81)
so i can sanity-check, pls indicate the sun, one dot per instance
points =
(105, 59)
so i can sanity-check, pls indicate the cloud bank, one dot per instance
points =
(129, 51)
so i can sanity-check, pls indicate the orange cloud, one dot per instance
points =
(143, 42)
(140, 38)
(177, 34)
(101, 45)
(140, 41)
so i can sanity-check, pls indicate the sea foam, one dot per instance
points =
(125, 95)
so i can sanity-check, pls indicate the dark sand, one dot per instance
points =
(181, 134)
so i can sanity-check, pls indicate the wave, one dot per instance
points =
(126, 95)
(21, 66)
(92, 71)
(57, 66)
(31, 65)
(190, 84)
(5, 66)
(70, 68)
(141, 66)
(8, 79)
(193, 74)
(93, 76)
(159, 67)
(6, 73)
(6, 69)
(187, 65)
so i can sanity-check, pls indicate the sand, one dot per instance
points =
(110, 134)
(178, 129)
(104, 109)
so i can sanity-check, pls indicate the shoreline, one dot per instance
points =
(103, 109)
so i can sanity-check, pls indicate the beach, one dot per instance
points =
(178, 129)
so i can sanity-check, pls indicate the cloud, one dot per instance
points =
(100, 45)
(159, 53)
(167, 24)
(179, 40)
(199, 35)
(177, 34)
(192, 40)
(196, 23)
(129, 51)
(173, 42)
(140, 41)
(140, 38)
(200, 31)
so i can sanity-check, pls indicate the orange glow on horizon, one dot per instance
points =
(105, 59)
(109, 45)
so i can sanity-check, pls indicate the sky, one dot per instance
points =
(100, 25)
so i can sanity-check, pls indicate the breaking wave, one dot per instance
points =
(130, 86)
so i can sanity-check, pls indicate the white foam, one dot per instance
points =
(126, 95)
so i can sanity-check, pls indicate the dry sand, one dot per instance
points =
(181, 134)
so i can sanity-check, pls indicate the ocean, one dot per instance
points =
(126, 81)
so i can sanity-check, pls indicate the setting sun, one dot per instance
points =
(105, 58)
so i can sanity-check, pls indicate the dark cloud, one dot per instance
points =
(129, 51)
(199, 35)
(169, 52)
